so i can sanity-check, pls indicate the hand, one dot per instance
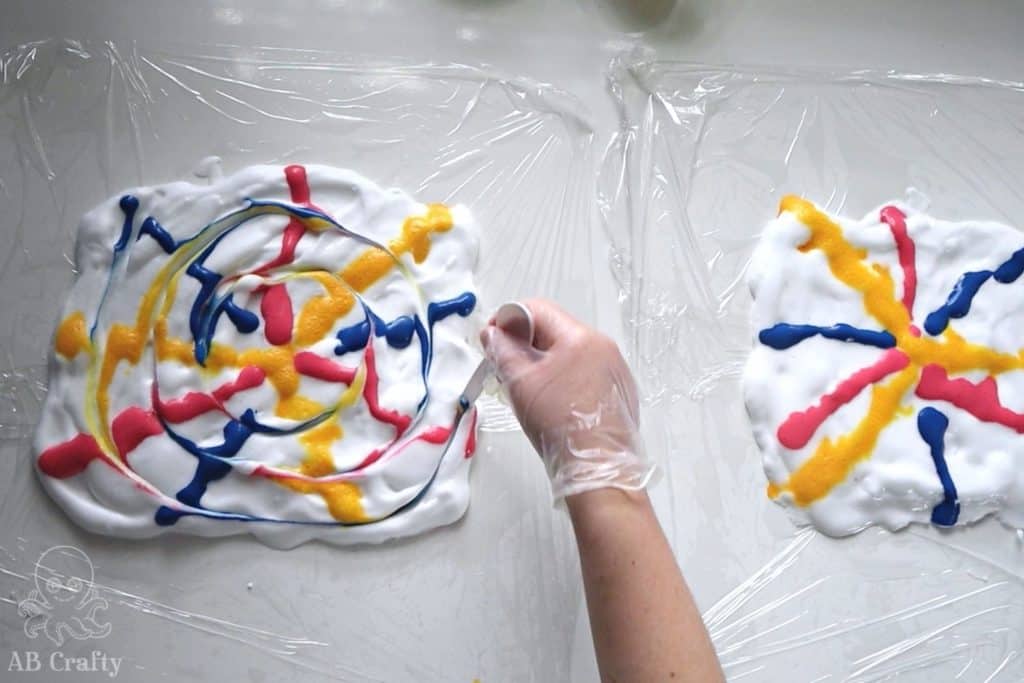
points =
(576, 400)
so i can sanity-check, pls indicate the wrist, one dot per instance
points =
(606, 502)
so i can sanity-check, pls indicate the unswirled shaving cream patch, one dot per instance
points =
(886, 384)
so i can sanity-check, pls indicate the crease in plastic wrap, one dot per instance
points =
(81, 121)
(697, 168)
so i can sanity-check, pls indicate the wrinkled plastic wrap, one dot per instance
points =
(81, 121)
(697, 168)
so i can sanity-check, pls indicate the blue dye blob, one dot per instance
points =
(932, 424)
(462, 304)
(1011, 269)
(400, 331)
(243, 320)
(129, 204)
(204, 315)
(353, 337)
(210, 465)
(159, 233)
(783, 335)
(207, 285)
(958, 303)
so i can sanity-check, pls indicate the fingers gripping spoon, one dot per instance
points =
(515, 319)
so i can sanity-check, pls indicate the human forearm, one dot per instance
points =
(576, 399)
(643, 619)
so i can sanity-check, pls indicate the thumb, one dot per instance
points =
(510, 356)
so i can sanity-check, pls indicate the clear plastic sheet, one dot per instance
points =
(697, 168)
(79, 122)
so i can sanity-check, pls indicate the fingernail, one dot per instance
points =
(486, 337)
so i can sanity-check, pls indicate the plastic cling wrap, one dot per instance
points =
(699, 164)
(82, 121)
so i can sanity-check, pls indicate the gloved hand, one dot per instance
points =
(576, 400)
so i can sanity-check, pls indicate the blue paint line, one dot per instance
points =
(958, 303)
(437, 311)
(243, 320)
(399, 333)
(206, 312)
(210, 465)
(151, 227)
(932, 424)
(783, 335)
(128, 205)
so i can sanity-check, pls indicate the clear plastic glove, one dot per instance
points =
(576, 400)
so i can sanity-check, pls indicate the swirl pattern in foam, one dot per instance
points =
(280, 353)
(886, 385)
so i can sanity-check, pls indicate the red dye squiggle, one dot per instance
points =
(193, 404)
(71, 457)
(373, 457)
(289, 241)
(980, 400)
(897, 222)
(800, 426)
(471, 439)
(318, 367)
(298, 187)
(392, 417)
(276, 308)
(249, 378)
(131, 427)
(435, 435)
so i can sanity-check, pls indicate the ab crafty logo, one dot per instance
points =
(62, 608)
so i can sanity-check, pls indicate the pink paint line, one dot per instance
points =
(318, 367)
(800, 426)
(897, 222)
(194, 403)
(980, 400)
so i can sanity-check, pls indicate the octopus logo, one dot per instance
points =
(64, 602)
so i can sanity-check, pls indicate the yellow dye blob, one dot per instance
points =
(298, 408)
(123, 343)
(319, 314)
(344, 499)
(279, 365)
(72, 337)
(956, 354)
(373, 264)
(317, 442)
